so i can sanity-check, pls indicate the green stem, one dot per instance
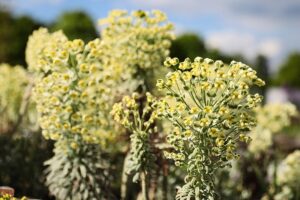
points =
(144, 183)
(124, 181)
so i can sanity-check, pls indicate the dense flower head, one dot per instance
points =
(13, 84)
(74, 95)
(288, 170)
(210, 98)
(275, 116)
(262, 140)
(211, 109)
(271, 119)
(135, 41)
(39, 40)
(128, 114)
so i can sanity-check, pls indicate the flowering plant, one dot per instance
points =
(37, 42)
(134, 45)
(74, 95)
(16, 108)
(271, 119)
(210, 107)
(288, 177)
(139, 120)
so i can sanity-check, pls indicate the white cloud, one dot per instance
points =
(270, 47)
(255, 14)
(233, 42)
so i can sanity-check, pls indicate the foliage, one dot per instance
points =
(77, 173)
(288, 75)
(73, 97)
(76, 25)
(206, 107)
(210, 107)
(188, 45)
(141, 158)
(14, 33)
(262, 67)
(21, 163)
(140, 125)
(135, 46)
(191, 45)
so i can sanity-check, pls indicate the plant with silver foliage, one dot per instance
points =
(79, 172)
(140, 123)
(210, 106)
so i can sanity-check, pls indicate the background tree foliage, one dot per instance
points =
(14, 33)
(289, 72)
(22, 157)
(188, 45)
(76, 24)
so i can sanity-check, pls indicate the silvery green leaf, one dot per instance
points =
(82, 170)
(136, 178)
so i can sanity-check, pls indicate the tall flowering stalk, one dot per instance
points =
(73, 99)
(140, 122)
(210, 107)
(134, 47)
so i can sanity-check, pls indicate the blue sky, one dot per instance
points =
(269, 27)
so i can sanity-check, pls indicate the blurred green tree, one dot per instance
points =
(76, 24)
(191, 45)
(261, 65)
(5, 35)
(188, 45)
(216, 54)
(289, 72)
(14, 33)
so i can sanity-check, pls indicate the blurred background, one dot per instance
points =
(262, 34)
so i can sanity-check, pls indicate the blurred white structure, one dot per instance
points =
(283, 94)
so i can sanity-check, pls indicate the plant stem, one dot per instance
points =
(144, 182)
(124, 181)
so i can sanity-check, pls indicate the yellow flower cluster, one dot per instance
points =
(13, 83)
(275, 116)
(261, 140)
(6, 197)
(127, 113)
(74, 96)
(135, 42)
(39, 40)
(140, 122)
(207, 96)
(288, 171)
(210, 106)
(271, 118)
